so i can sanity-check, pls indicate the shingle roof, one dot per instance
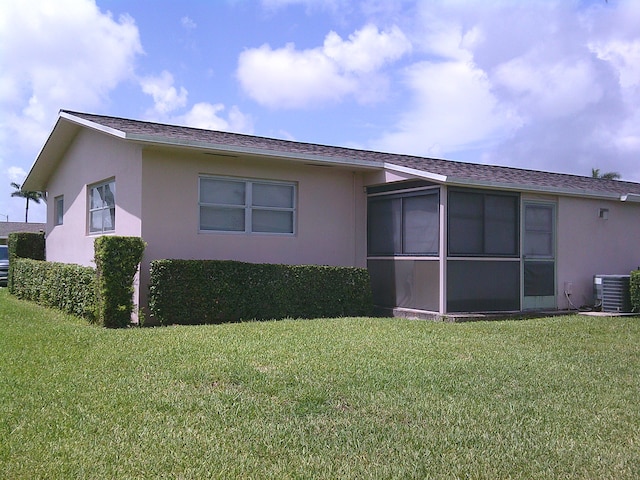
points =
(456, 172)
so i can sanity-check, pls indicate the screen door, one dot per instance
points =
(539, 257)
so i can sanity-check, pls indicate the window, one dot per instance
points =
(538, 236)
(483, 224)
(248, 206)
(102, 207)
(58, 210)
(404, 224)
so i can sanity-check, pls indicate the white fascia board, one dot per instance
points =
(630, 197)
(234, 149)
(415, 172)
(93, 125)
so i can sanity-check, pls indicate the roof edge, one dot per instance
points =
(570, 192)
(88, 123)
(414, 171)
(154, 140)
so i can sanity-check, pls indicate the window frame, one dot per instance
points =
(90, 188)
(485, 220)
(402, 240)
(58, 210)
(248, 207)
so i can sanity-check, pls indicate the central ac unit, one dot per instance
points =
(612, 293)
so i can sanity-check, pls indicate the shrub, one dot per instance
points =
(634, 287)
(24, 245)
(117, 260)
(216, 291)
(67, 287)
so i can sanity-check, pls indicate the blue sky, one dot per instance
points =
(548, 84)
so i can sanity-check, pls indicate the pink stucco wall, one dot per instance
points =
(330, 212)
(91, 158)
(589, 245)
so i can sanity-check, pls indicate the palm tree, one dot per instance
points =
(35, 196)
(595, 173)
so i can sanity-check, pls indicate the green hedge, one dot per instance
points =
(634, 287)
(67, 287)
(117, 260)
(24, 245)
(216, 291)
(102, 295)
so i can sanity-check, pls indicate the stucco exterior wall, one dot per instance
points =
(92, 157)
(330, 212)
(589, 245)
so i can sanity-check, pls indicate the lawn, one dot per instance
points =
(339, 398)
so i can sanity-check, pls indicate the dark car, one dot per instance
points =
(4, 265)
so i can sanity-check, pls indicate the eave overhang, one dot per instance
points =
(522, 188)
(65, 129)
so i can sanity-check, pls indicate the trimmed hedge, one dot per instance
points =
(117, 259)
(24, 245)
(67, 287)
(634, 287)
(102, 295)
(218, 291)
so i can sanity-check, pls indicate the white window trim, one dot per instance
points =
(58, 213)
(248, 208)
(112, 182)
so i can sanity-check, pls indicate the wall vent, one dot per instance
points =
(612, 293)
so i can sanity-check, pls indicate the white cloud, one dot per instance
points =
(452, 109)
(552, 89)
(169, 100)
(16, 174)
(188, 23)
(166, 97)
(289, 78)
(366, 50)
(59, 54)
(550, 85)
(207, 116)
(63, 52)
(624, 56)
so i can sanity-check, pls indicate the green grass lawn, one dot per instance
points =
(341, 398)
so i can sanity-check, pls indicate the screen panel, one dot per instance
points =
(539, 279)
(483, 286)
(405, 283)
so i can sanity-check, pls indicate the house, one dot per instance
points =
(18, 227)
(438, 237)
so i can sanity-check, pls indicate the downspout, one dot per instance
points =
(354, 220)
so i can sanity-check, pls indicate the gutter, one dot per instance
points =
(630, 197)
